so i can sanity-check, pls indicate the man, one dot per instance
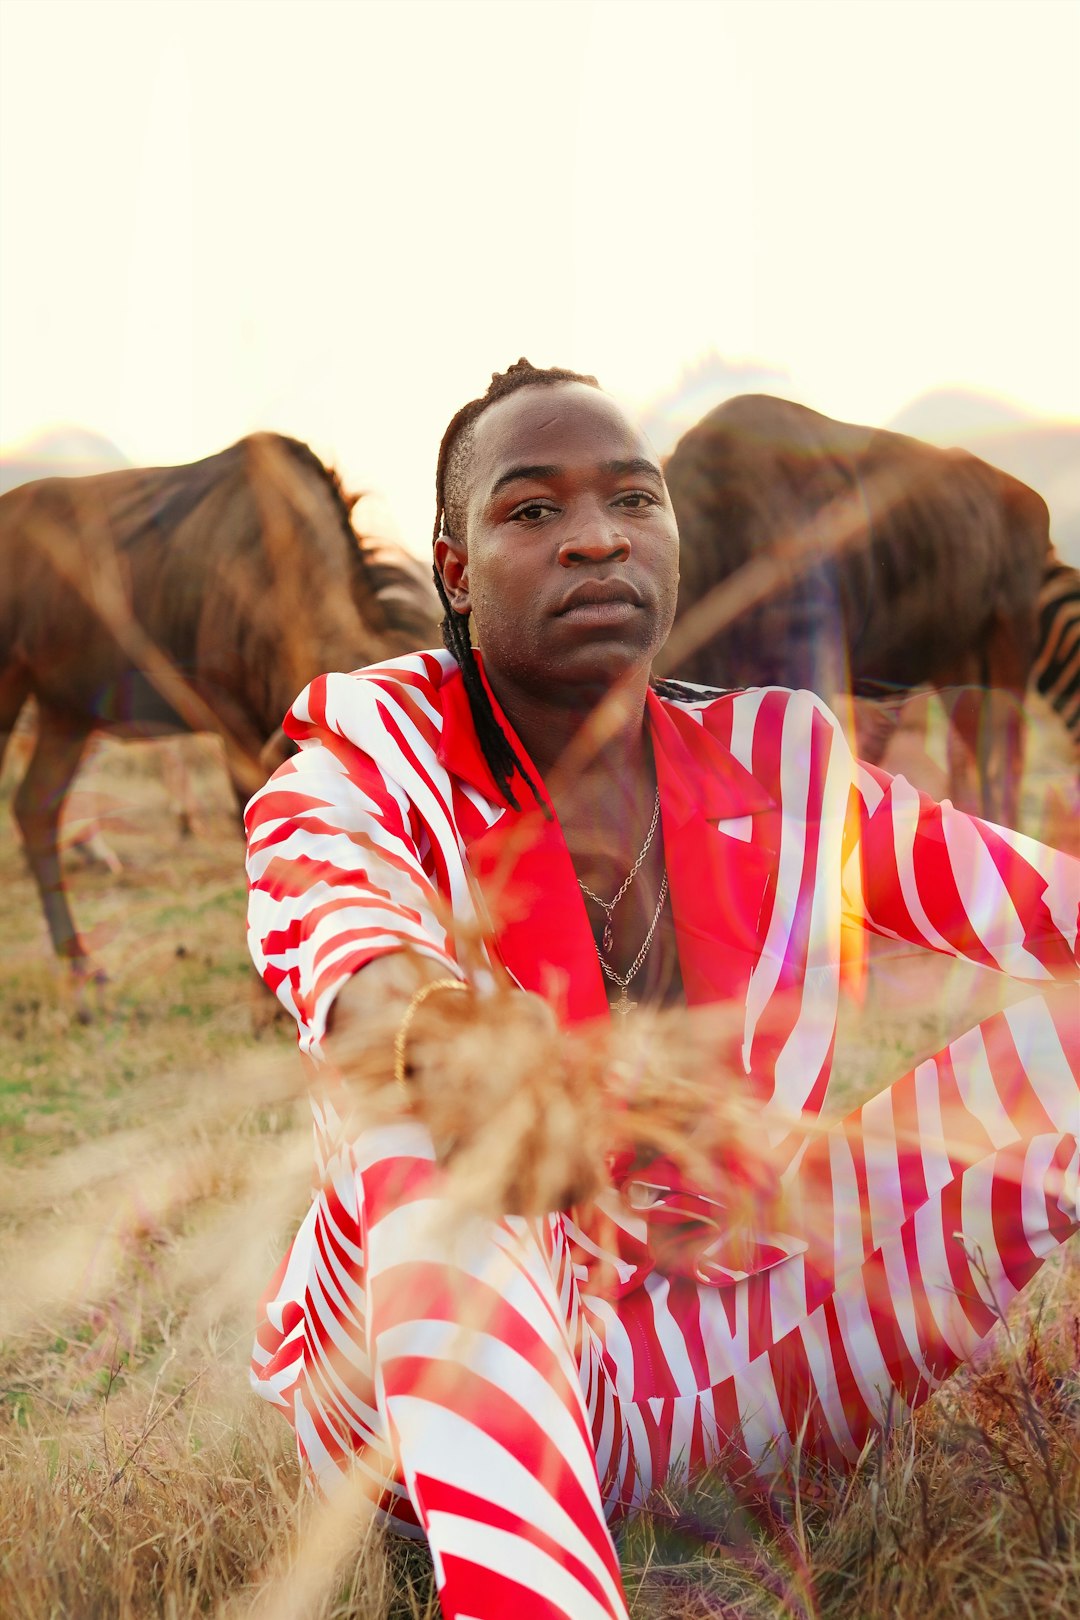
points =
(535, 810)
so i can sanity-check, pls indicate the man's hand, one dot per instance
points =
(514, 1104)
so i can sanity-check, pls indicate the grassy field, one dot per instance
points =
(155, 1160)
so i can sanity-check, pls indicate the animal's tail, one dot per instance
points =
(1056, 671)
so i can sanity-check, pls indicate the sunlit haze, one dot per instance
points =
(337, 219)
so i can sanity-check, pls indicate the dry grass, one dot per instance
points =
(156, 1160)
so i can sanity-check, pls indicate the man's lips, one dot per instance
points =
(600, 599)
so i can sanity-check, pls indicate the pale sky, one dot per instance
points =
(336, 219)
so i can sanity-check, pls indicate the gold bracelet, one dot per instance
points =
(401, 1078)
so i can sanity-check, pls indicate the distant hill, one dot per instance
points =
(701, 387)
(1042, 452)
(63, 452)
(947, 412)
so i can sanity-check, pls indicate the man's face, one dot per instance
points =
(569, 563)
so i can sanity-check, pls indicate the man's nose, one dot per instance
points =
(598, 537)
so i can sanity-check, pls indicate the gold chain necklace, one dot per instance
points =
(609, 905)
(624, 1004)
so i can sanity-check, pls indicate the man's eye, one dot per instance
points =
(531, 512)
(637, 498)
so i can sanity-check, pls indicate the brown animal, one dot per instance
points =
(861, 560)
(199, 598)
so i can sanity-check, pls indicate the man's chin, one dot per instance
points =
(594, 667)
(578, 673)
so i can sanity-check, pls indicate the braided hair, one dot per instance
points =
(451, 499)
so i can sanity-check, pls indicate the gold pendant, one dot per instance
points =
(624, 1004)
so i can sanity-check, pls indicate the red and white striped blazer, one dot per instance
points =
(387, 831)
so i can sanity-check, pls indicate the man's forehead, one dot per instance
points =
(560, 424)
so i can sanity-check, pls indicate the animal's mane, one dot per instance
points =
(398, 592)
(305, 455)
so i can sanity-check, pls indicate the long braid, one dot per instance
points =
(501, 756)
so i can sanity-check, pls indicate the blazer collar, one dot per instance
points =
(717, 879)
(523, 868)
(459, 747)
(721, 838)
(695, 772)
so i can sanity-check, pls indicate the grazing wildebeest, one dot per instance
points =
(864, 561)
(200, 598)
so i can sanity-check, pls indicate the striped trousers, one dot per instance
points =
(508, 1414)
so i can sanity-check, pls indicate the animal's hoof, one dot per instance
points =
(88, 983)
(86, 975)
(93, 853)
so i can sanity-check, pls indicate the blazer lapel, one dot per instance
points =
(531, 894)
(720, 831)
(720, 842)
(526, 878)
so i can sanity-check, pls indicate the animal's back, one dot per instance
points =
(905, 552)
(752, 476)
(242, 569)
(89, 563)
(954, 548)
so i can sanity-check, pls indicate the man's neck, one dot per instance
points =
(572, 735)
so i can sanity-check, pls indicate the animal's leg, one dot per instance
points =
(895, 733)
(959, 686)
(875, 726)
(987, 729)
(39, 800)
(243, 761)
(92, 849)
(178, 786)
(1001, 755)
(241, 794)
(247, 774)
(964, 709)
(81, 835)
(1010, 654)
(14, 691)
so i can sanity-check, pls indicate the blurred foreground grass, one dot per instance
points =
(155, 1162)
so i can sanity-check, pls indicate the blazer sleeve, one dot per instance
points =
(335, 878)
(934, 876)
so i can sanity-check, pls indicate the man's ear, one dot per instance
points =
(452, 561)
